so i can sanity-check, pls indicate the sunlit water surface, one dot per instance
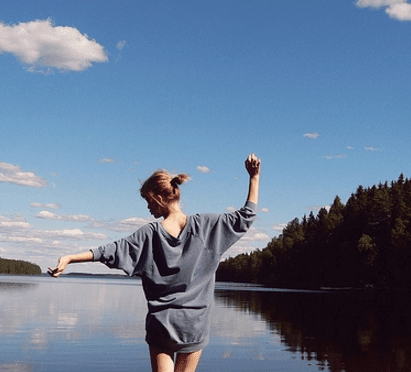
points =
(89, 324)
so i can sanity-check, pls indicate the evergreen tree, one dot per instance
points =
(18, 267)
(365, 242)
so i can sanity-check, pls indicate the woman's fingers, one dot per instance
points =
(253, 163)
(54, 272)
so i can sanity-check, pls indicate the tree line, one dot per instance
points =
(366, 242)
(16, 267)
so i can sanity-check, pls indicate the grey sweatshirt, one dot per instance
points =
(178, 274)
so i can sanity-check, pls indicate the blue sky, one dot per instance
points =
(95, 96)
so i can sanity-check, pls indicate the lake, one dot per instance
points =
(97, 325)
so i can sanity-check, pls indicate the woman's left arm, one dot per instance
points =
(253, 166)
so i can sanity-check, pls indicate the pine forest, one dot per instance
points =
(364, 243)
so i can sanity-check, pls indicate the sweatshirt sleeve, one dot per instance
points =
(127, 254)
(230, 227)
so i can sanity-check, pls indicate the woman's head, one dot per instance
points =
(162, 187)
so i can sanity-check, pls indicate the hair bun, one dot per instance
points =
(179, 179)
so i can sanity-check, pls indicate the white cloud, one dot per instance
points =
(106, 160)
(312, 135)
(316, 208)
(75, 234)
(231, 209)
(245, 243)
(45, 205)
(20, 239)
(372, 149)
(339, 156)
(203, 169)
(401, 12)
(45, 215)
(15, 223)
(397, 9)
(41, 45)
(121, 44)
(127, 225)
(18, 230)
(10, 173)
(279, 226)
(349, 147)
(254, 234)
(377, 3)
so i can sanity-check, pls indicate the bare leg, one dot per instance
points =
(161, 361)
(187, 362)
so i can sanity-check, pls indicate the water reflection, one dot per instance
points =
(45, 322)
(348, 331)
(71, 324)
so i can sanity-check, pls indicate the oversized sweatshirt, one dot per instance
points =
(178, 274)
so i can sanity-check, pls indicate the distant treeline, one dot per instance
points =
(18, 267)
(366, 242)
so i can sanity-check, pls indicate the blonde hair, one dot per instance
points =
(164, 184)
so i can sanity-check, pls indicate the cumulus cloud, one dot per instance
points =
(377, 3)
(401, 12)
(203, 169)
(279, 226)
(74, 234)
(127, 225)
(41, 46)
(314, 135)
(396, 9)
(255, 234)
(265, 210)
(45, 215)
(245, 244)
(45, 205)
(17, 230)
(20, 239)
(13, 223)
(10, 173)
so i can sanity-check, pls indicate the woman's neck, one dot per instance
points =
(174, 220)
(173, 210)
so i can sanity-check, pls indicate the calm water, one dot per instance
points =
(74, 324)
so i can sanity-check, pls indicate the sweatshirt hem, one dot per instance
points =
(180, 348)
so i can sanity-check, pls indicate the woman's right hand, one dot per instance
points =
(61, 265)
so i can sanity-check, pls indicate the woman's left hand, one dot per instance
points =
(253, 164)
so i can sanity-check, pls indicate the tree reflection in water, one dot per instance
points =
(351, 331)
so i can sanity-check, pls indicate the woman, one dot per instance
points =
(176, 260)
